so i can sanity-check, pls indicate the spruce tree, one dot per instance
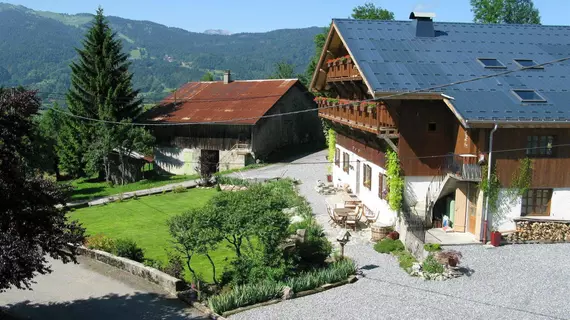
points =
(101, 88)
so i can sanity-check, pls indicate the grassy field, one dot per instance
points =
(85, 189)
(144, 220)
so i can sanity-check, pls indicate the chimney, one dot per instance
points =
(423, 24)
(227, 77)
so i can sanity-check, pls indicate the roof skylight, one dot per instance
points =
(491, 63)
(528, 63)
(527, 95)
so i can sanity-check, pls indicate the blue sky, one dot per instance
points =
(265, 15)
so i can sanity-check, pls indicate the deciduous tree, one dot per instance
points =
(505, 11)
(369, 11)
(31, 227)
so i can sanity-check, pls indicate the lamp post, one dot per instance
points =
(343, 238)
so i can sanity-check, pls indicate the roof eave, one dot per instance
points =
(519, 123)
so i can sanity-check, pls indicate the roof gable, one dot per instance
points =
(392, 59)
(216, 102)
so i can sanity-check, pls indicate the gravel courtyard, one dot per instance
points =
(510, 282)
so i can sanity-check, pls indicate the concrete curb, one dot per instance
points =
(139, 193)
(170, 284)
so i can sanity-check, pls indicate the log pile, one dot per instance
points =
(533, 231)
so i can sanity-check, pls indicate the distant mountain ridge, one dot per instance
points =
(36, 48)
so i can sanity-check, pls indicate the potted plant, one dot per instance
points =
(495, 238)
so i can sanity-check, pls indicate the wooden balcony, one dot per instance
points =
(366, 116)
(342, 69)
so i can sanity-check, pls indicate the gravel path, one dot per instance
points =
(510, 282)
(93, 290)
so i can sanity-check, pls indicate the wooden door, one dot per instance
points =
(472, 207)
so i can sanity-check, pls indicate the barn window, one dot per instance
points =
(367, 177)
(382, 191)
(345, 162)
(539, 146)
(536, 202)
(337, 157)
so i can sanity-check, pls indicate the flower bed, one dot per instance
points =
(253, 293)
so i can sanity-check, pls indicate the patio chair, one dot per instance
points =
(352, 220)
(333, 218)
(370, 215)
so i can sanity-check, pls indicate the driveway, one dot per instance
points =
(510, 282)
(93, 290)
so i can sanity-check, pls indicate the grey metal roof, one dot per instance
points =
(393, 59)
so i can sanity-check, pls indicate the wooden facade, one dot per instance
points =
(548, 171)
(362, 148)
(427, 132)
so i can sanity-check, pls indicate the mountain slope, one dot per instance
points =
(36, 48)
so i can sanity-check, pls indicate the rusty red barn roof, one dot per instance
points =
(215, 101)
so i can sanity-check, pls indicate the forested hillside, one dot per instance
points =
(36, 49)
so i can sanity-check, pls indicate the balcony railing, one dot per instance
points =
(463, 166)
(368, 116)
(342, 69)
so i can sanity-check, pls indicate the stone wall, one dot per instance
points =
(412, 243)
(167, 282)
(540, 231)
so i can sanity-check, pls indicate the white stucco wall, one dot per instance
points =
(559, 209)
(415, 190)
(176, 160)
(560, 204)
(368, 197)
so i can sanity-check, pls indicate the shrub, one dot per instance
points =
(388, 245)
(129, 249)
(174, 266)
(431, 265)
(315, 250)
(153, 263)
(406, 259)
(449, 257)
(178, 189)
(432, 247)
(245, 295)
(100, 242)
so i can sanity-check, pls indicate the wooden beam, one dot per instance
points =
(389, 142)
(457, 115)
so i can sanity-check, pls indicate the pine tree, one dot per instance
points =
(101, 88)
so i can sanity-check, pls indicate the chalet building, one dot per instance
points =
(228, 121)
(443, 135)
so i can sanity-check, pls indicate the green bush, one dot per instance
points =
(246, 295)
(129, 249)
(153, 263)
(174, 266)
(100, 242)
(315, 250)
(387, 245)
(432, 247)
(179, 189)
(431, 265)
(233, 181)
(406, 259)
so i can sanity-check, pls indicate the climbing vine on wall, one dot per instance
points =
(520, 183)
(395, 181)
(331, 141)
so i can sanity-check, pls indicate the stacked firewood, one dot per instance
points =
(540, 231)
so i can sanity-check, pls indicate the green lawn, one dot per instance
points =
(84, 189)
(144, 220)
